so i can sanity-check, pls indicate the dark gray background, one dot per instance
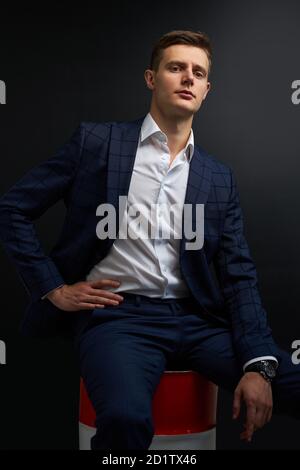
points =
(62, 66)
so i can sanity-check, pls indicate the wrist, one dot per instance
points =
(266, 368)
(258, 376)
(55, 292)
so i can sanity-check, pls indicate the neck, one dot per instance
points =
(177, 129)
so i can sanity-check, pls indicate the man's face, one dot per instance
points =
(181, 68)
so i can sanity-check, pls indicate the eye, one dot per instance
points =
(199, 74)
(175, 67)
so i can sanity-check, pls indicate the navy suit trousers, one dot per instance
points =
(123, 351)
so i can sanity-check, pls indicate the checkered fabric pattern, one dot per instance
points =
(95, 167)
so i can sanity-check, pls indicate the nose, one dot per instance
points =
(188, 76)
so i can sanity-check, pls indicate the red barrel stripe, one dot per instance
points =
(184, 402)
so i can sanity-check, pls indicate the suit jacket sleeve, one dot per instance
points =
(238, 281)
(25, 202)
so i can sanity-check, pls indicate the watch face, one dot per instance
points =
(270, 371)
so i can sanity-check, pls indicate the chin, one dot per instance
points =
(186, 109)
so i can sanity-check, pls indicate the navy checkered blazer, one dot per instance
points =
(95, 167)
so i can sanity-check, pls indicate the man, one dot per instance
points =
(135, 305)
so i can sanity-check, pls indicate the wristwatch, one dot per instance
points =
(266, 368)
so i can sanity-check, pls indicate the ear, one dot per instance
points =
(149, 78)
(207, 90)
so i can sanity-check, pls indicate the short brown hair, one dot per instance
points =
(191, 38)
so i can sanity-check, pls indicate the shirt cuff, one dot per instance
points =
(260, 358)
(58, 287)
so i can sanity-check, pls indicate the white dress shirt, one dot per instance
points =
(150, 266)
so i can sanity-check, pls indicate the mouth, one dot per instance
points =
(185, 94)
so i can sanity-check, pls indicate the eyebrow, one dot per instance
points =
(183, 64)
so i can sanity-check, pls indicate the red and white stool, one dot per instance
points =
(184, 413)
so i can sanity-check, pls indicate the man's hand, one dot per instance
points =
(257, 394)
(85, 295)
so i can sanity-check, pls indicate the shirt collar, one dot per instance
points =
(150, 128)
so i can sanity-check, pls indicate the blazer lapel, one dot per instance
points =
(122, 152)
(198, 187)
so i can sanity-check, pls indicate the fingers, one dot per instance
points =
(256, 419)
(260, 418)
(104, 283)
(105, 293)
(99, 296)
(250, 422)
(88, 306)
(244, 435)
(263, 416)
